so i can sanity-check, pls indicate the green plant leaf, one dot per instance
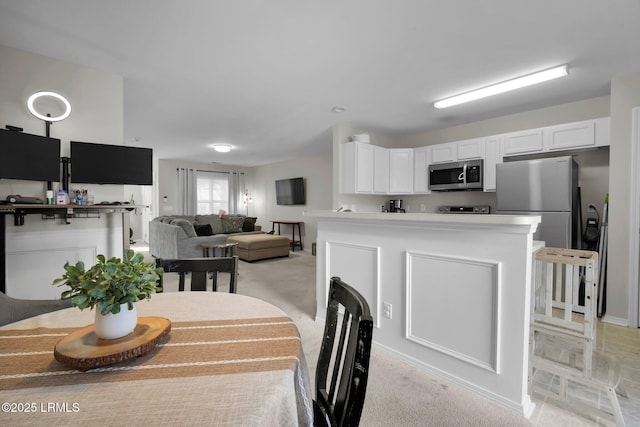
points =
(109, 283)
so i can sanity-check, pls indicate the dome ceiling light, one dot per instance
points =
(222, 148)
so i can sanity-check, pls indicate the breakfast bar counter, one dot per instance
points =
(448, 293)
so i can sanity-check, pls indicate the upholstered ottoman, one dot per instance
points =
(252, 247)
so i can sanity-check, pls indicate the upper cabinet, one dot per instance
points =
(459, 150)
(380, 170)
(470, 149)
(356, 167)
(524, 142)
(565, 137)
(587, 134)
(370, 169)
(401, 171)
(421, 161)
(442, 153)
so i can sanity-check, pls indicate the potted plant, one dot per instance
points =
(113, 286)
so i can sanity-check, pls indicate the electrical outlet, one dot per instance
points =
(386, 308)
(423, 207)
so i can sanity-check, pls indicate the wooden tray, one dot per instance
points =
(83, 350)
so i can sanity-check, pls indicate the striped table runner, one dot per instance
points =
(192, 349)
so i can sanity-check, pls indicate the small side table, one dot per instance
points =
(293, 225)
(226, 248)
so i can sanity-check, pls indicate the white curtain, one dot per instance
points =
(187, 191)
(236, 190)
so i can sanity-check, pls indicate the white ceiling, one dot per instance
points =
(264, 75)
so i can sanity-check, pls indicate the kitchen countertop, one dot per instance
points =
(488, 219)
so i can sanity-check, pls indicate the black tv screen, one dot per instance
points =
(29, 157)
(290, 191)
(93, 163)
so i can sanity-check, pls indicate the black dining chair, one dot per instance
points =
(198, 269)
(14, 309)
(345, 359)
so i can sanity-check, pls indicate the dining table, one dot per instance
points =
(228, 360)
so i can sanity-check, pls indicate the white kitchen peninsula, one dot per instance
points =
(449, 293)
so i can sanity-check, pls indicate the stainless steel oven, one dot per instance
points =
(464, 175)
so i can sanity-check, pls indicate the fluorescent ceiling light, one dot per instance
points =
(222, 148)
(517, 83)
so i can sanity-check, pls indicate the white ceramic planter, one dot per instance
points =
(112, 326)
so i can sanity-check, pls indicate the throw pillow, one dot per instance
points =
(232, 224)
(186, 226)
(213, 220)
(203, 229)
(249, 223)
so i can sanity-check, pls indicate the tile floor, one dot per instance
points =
(620, 342)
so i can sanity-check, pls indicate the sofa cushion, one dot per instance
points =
(213, 220)
(232, 224)
(249, 223)
(203, 229)
(186, 226)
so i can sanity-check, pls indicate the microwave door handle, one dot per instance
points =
(463, 174)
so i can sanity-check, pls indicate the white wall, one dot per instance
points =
(316, 171)
(625, 94)
(97, 115)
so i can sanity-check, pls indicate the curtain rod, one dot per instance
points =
(201, 170)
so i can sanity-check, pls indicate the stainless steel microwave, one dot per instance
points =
(464, 175)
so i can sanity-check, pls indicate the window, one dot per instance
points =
(213, 192)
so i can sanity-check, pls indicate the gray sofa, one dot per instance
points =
(180, 236)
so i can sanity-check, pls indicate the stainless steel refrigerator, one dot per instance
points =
(546, 187)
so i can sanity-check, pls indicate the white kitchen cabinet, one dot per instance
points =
(584, 134)
(441, 153)
(523, 142)
(380, 170)
(470, 149)
(401, 171)
(421, 161)
(356, 167)
(564, 137)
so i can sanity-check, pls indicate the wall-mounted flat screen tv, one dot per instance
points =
(93, 163)
(290, 191)
(29, 157)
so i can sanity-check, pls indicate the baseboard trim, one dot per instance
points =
(616, 320)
